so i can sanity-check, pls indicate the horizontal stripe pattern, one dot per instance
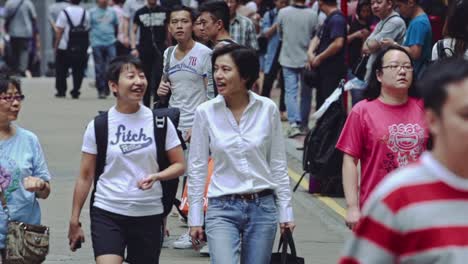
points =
(411, 215)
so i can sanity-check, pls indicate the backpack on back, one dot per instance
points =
(101, 129)
(78, 36)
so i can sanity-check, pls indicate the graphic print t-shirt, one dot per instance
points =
(20, 156)
(187, 82)
(383, 137)
(152, 26)
(131, 156)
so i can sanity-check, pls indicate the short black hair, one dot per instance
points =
(374, 87)
(219, 10)
(116, 66)
(178, 8)
(5, 81)
(432, 86)
(246, 60)
(75, 2)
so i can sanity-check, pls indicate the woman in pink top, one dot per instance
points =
(384, 132)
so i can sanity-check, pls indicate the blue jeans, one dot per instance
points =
(230, 221)
(292, 78)
(102, 56)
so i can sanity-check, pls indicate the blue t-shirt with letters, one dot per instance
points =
(20, 156)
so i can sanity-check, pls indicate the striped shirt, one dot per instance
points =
(242, 31)
(419, 214)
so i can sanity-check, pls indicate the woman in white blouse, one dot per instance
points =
(249, 193)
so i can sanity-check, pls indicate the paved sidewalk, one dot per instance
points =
(60, 124)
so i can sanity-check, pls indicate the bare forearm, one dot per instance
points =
(175, 170)
(313, 45)
(350, 182)
(332, 50)
(82, 188)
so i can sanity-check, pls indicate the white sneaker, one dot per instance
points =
(183, 242)
(205, 250)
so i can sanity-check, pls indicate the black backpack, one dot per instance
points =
(321, 159)
(78, 36)
(160, 116)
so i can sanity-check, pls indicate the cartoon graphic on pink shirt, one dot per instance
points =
(406, 140)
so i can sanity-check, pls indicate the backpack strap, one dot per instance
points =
(170, 50)
(83, 18)
(68, 19)
(440, 50)
(101, 129)
(169, 187)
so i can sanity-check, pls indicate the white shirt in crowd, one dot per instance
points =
(187, 82)
(131, 156)
(448, 47)
(75, 12)
(249, 157)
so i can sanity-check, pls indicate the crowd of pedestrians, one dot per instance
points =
(217, 63)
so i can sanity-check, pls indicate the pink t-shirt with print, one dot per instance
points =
(383, 137)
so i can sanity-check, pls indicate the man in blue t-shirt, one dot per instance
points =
(418, 38)
(326, 52)
(104, 25)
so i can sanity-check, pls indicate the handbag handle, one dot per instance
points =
(285, 241)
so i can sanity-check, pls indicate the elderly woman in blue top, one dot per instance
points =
(24, 176)
(249, 191)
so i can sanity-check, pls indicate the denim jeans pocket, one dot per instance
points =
(268, 205)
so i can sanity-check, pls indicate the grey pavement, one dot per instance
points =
(60, 124)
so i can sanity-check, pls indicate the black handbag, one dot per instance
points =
(360, 68)
(284, 257)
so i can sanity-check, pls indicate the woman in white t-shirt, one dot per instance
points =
(249, 192)
(126, 213)
(455, 42)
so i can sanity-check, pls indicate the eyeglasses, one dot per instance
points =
(395, 67)
(12, 98)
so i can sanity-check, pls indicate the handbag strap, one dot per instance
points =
(285, 241)
(4, 204)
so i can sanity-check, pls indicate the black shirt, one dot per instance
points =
(153, 27)
(355, 46)
(333, 27)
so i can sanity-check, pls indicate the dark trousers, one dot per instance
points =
(64, 61)
(328, 80)
(270, 78)
(102, 56)
(19, 54)
(152, 66)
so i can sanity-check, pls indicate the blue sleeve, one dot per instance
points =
(337, 27)
(416, 33)
(39, 166)
(116, 19)
(266, 24)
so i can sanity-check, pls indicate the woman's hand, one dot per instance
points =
(75, 235)
(147, 183)
(287, 225)
(198, 235)
(34, 184)
(352, 217)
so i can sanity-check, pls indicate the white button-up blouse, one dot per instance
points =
(248, 157)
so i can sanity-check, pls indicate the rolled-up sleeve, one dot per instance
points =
(198, 168)
(279, 171)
